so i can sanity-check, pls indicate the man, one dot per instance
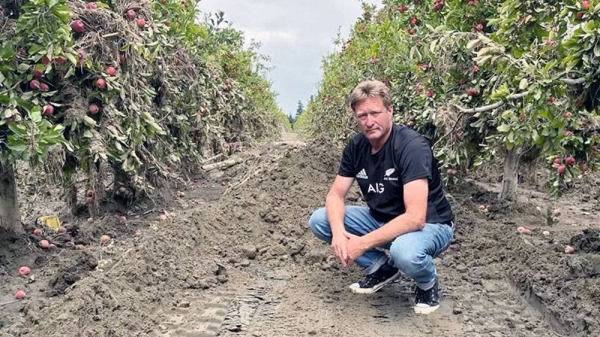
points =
(407, 214)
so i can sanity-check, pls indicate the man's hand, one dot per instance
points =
(355, 246)
(339, 244)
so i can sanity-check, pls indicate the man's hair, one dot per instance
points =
(370, 89)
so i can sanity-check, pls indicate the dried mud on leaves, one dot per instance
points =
(243, 232)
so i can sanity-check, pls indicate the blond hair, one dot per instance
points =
(370, 89)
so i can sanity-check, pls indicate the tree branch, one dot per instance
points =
(460, 116)
(586, 131)
(491, 106)
(575, 81)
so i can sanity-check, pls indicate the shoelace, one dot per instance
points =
(425, 295)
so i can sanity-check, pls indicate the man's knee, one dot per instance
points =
(409, 260)
(319, 225)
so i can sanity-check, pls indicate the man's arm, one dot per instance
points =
(335, 206)
(415, 202)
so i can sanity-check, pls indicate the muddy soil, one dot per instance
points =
(233, 256)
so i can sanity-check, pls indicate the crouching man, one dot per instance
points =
(407, 213)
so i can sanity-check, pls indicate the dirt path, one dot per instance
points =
(233, 257)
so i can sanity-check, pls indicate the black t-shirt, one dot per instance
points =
(406, 156)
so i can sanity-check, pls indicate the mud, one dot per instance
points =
(233, 256)
(588, 241)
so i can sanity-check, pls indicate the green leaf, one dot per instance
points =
(23, 68)
(35, 115)
(588, 27)
(18, 129)
(503, 128)
(89, 121)
(10, 112)
(472, 43)
(71, 58)
(523, 84)
(17, 145)
(432, 46)
(4, 99)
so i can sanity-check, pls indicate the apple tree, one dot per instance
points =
(139, 94)
(482, 79)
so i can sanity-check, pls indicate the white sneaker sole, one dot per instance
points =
(355, 287)
(425, 310)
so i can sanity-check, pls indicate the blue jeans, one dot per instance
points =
(412, 253)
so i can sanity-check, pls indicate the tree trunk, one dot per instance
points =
(10, 217)
(510, 177)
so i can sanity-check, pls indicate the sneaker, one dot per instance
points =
(375, 281)
(427, 301)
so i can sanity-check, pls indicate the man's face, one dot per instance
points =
(373, 118)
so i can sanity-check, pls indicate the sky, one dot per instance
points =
(296, 35)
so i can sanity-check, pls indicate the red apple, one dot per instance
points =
(24, 271)
(583, 167)
(111, 71)
(20, 294)
(131, 14)
(429, 93)
(479, 27)
(37, 73)
(46, 60)
(60, 60)
(94, 110)
(557, 160)
(44, 87)
(89, 193)
(100, 83)
(91, 5)
(566, 114)
(141, 22)
(411, 31)
(37, 232)
(561, 169)
(570, 161)
(48, 110)
(77, 26)
(472, 92)
(402, 9)
(34, 84)
(585, 5)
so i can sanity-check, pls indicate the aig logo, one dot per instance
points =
(376, 188)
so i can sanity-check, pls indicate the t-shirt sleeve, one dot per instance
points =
(347, 167)
(415, 160)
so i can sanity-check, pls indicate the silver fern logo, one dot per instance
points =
(388, 175)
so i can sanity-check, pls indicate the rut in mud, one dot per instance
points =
(233, 256)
